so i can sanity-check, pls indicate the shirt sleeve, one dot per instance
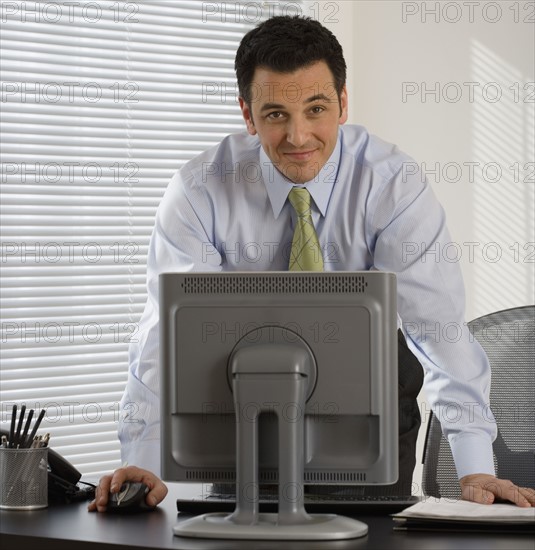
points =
(181, 241)
(410, 237)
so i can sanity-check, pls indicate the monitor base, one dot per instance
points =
(320, 527)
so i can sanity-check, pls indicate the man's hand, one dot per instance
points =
(485, 489)
(112, 483)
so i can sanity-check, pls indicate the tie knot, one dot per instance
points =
(299, 198)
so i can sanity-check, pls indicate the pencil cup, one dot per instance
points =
(23, 478)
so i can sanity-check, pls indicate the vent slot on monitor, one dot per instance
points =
(334, 477)
(252, 284)
(210, 475)
(222, 476)
(271, 476)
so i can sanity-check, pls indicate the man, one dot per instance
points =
(364, 206)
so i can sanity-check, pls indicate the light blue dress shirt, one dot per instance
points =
(227, 210)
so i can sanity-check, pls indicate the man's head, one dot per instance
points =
(285, 44)
(291, 75)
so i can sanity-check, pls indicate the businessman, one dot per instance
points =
(300, 174)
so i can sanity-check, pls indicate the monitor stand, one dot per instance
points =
(272, 373)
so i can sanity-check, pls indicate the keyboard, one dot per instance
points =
(314, 503)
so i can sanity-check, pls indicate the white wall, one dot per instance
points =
(473, 52)
(480, 146)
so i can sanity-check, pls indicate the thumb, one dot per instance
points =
(487, 497)
(474, 492)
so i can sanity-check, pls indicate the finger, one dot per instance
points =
(120, 476)
(507, 490)
(157, 494)
(487, 496)
(476, 493)
(519, 496)
(101, 494)
(528, 494)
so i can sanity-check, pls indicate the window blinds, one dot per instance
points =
(101, 103)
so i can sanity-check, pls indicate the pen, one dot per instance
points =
(35, 427)
(16, 440)
(12, 428)
(26, 428)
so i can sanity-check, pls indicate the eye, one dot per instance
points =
(275, 115)
(317, 109)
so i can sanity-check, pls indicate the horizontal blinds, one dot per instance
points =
(101, 103)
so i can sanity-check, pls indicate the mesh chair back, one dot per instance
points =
(508, 338)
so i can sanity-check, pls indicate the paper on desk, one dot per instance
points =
(462, 510)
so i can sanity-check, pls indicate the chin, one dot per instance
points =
(306, 174)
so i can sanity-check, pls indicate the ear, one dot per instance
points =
(343, 106)
(247, 116)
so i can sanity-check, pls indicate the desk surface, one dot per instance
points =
(71, 526)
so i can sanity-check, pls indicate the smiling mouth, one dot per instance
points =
(301, 155)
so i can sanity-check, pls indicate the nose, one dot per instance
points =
(297, 133)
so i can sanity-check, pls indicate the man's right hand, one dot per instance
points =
(112, 483)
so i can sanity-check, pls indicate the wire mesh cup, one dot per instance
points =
(23, 478)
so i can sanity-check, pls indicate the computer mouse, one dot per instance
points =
(130, 499)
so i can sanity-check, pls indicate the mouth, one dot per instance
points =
(301, 156)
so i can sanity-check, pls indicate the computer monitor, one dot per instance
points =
(278, 377)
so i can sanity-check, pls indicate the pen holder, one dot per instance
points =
(23, 478)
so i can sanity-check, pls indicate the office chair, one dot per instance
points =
(508, 338)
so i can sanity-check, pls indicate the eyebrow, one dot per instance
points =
(317, 97)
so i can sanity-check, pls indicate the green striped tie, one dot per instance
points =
(306, 251)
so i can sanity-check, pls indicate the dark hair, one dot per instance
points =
(285, 44)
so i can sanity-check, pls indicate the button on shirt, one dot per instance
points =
(227, 210)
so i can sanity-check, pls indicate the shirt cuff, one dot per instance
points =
(143, 453)
(472, 454)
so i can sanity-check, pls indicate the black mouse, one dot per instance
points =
(130, 499)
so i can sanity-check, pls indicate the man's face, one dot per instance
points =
(296, 116)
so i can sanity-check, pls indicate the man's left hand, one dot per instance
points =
(485, 489)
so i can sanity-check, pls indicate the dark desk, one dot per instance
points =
(71, 526)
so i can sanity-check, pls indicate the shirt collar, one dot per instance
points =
(320, 187)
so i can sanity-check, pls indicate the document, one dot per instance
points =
(434, 513)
